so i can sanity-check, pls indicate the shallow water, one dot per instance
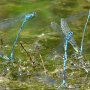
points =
(38, 64)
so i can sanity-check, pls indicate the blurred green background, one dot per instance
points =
(47, 11)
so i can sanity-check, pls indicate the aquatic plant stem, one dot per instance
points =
(81, 49)
(43, 63)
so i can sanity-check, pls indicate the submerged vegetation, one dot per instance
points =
(38, 55)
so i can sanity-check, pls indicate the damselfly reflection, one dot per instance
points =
(46, 79)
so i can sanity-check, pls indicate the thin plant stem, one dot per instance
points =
(82, 42)
(42, 63)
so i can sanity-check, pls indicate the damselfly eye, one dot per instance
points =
(71, 33)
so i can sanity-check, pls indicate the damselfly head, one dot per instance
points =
(28, 16)
(69, 35)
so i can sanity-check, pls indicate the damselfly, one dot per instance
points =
(67, 39)
(63, 30)
(25, 18)
(28, 16)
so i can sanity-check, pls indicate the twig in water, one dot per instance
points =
(28, 54)
(1, 47)
(1, 43)
(37, 48)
